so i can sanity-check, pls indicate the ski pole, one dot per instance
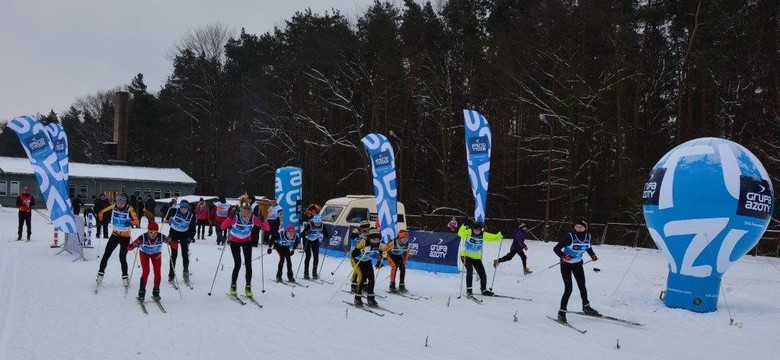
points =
(131, 272)
(346, 254)
(324, 256)
(347, 278)
(495, 268)
(173, 270)
(298, 271)
(262, 268)
(217, 269)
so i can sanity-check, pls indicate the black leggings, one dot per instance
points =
(185, 256)
(472, 264)
(567, 270)
(114, 241)
(365, 271)
(284, 254)
(311, 247)
(511, 255)
(24, 218)
(236, 249)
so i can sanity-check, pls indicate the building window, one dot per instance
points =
(156, 193)
(176, 193)
(167, 193)
(148, 191)
(137, 192)
(83, 189)
(3, 188)
(72, 190)
(14, 188)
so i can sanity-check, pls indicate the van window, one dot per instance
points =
(357, 215)
(374, 216)
(331, 213)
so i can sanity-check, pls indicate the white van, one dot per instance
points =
(352, 209)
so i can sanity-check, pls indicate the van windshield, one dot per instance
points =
(331, 213)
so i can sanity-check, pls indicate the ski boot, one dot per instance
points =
(125, 281)
(290, 278)
(469, 293)
(279, 278)
(589, 310)
(353, 288)
(527, 270)
(233, 291)
(306, 275)
(248, 291)
(392, 288)
(141, 295)
(358, 301)
(372, 301)
(170, 279)
(402, 288)
(562, 316)
(156, 294)
(487, 292)
(186, 277)
(99, 278)
(314, 275)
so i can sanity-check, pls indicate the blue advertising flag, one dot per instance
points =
(46, 166)
(478, 143)
(385, 190)
(289, 191)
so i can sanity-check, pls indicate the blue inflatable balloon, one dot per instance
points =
(707, 203)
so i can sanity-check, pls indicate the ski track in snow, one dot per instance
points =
(49, 311)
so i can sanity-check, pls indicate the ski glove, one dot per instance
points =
(567, 258)
(269, 250)
(594, 258)
(365, 249)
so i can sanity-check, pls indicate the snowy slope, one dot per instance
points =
(48, 310)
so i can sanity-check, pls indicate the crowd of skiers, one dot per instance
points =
(240, 226)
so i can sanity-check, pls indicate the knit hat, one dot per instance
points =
(582, 222)
(184, 203)
(153, 227)
(374, 233)
(290, 227)
(121, 199)
(317, 219)
(365, 224)
(522, 227)
(479, 225)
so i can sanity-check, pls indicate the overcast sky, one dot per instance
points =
(52, 52)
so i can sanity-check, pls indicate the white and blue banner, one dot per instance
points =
(706, 204)
(429, 251)
(45, 164)
(385, 189)
(478, 143)
(289, 191)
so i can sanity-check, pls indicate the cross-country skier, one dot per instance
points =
(473, 235)
(570, 250)
(221, 210)
(122, 218)
(285, 246)
(518, 248)
(362, 254)
(313, 233)
(240, 226)
(398, 255)
(149, 250)
(361, 232)
(182, 233)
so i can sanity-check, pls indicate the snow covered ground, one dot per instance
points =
(48, 311)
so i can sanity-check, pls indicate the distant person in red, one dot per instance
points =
(25, 202)
(150, 250)
(452, 226)
(202, 218)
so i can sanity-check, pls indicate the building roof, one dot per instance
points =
(12, 165)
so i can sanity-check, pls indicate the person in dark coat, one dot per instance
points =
(518, 248)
